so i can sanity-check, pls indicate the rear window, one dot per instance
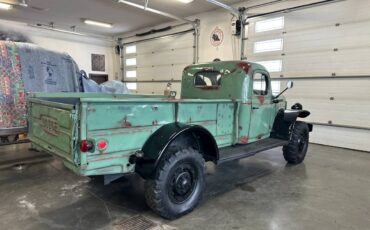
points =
(207, 79)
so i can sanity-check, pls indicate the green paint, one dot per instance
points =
(59, 121)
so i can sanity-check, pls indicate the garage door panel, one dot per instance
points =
(157, 88)
(341, 137)
(160, 60)
(328, 14)
(325, 63)
(325, 42)
(321, 42)
(349, 90)
(338, 113)
(327, 39)
(166, 58)
(145, 88)
(167, 43)
(161, 72)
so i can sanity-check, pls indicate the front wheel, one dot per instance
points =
(178, 184)
(295, 151)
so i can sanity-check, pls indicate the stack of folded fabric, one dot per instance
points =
(26, 67)
(47, 71)
(12, 93)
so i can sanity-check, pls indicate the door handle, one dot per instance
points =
(255, 107)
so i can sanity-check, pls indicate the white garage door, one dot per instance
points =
(155, 62)
(326, 50)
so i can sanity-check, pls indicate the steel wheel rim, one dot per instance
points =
(183, 182)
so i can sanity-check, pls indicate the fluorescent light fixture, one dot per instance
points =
(96, 23)
(144, 7)
(130, 49)
(4, 6)
(131, 73)
(268, 46)
(185, 1)
(273, 65)
(269, 24)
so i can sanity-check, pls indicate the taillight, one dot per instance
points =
(85, 145)
(101, 144)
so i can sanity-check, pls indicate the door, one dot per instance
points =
(262, 108)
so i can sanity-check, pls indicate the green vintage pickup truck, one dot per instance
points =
(226, 112)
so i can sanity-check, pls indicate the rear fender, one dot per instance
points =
(170, 138)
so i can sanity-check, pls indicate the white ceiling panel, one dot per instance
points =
(67, 13)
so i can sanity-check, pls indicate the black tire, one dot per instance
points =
(178, 185)
(295, 151)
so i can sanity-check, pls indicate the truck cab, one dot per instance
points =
(249, 84)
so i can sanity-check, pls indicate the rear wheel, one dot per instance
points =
(295, 151)
(178, 184)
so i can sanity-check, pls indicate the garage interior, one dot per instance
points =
(323, 46)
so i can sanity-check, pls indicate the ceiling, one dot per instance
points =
(67, 13)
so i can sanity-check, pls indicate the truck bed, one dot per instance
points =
(58, 122)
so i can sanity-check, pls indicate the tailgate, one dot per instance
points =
(53, 126)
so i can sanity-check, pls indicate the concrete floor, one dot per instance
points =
(331, 190)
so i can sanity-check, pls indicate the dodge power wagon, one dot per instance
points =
(226, 112)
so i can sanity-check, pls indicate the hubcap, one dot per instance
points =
(182, 183)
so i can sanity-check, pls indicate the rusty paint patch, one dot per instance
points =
(261, 99)
(259, 136)
(243, 140)
(126, 123)
(245, 66)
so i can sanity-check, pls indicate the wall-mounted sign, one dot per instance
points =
(98, 62)
(217, 37)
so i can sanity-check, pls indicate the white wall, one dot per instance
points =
(78, 47)
(310, 39)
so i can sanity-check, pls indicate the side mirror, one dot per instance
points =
(290, 84)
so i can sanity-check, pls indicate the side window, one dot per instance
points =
(207, 79)
(260, 84)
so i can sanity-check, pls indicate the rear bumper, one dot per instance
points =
(12, 131)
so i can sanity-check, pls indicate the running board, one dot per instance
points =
(243, 151)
